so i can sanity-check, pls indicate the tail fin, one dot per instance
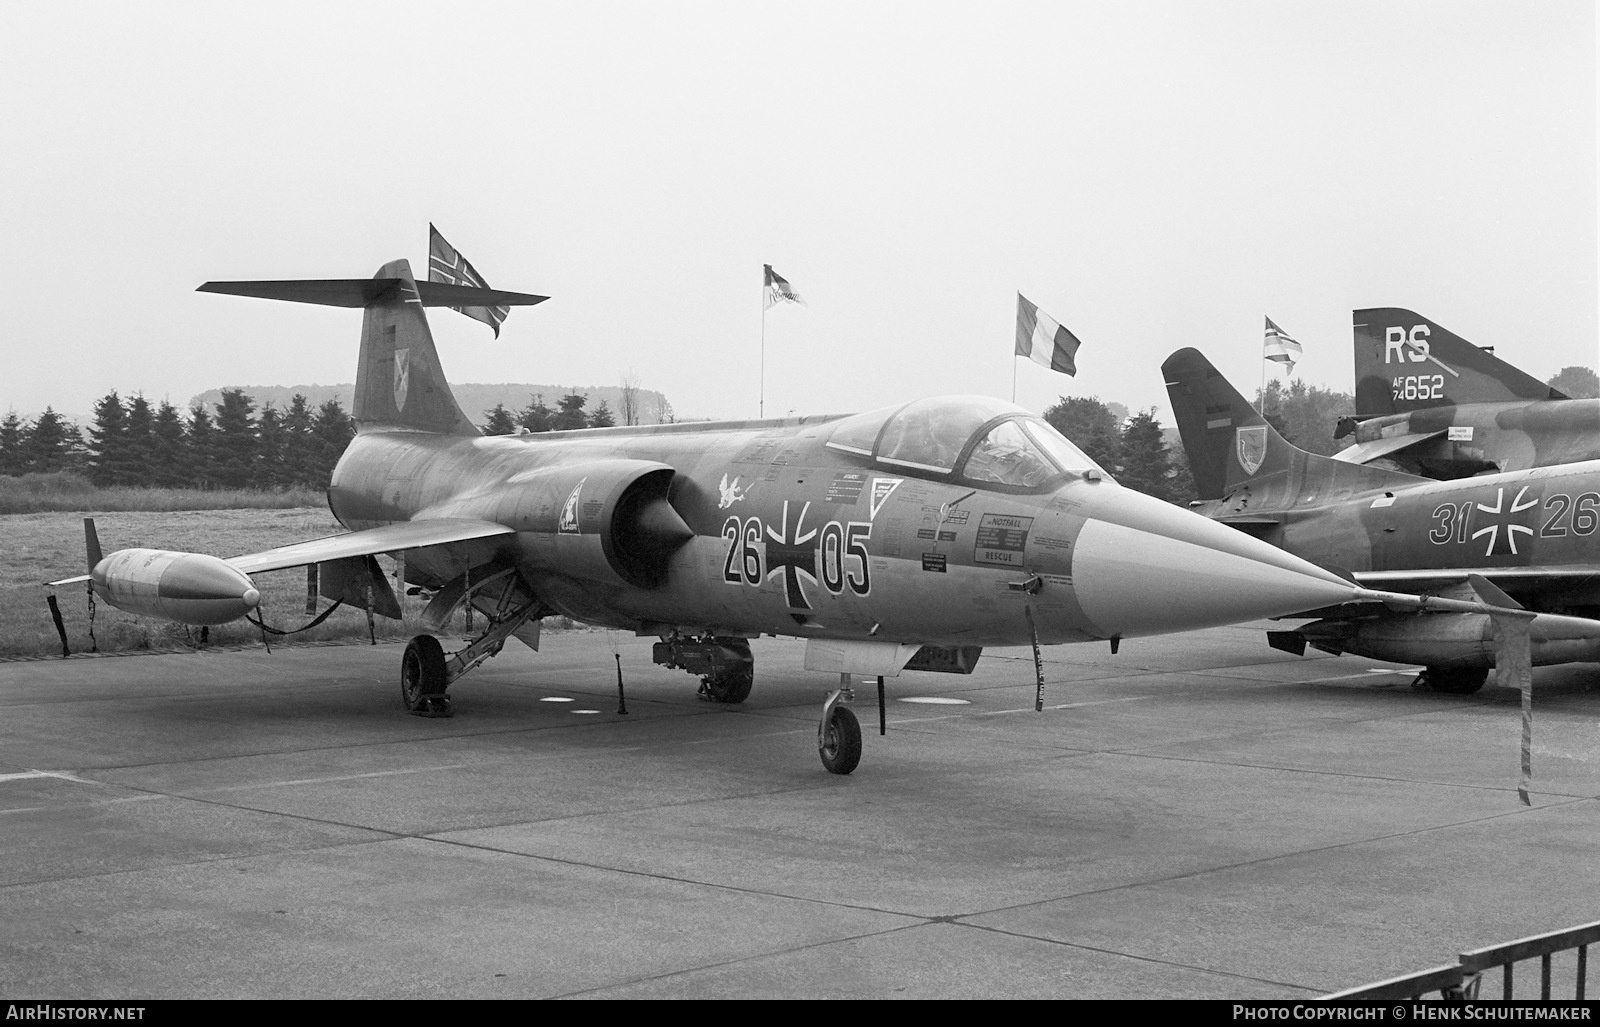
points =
(1405, 362)
(1229, 444)
(91, 543)
(399, 382)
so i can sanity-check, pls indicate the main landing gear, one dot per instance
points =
(425, 669)
(424, 677)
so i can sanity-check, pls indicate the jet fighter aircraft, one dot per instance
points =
(1531, 534)
(1431, 403)
(903, 538)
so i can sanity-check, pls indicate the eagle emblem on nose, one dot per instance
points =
(731, 492)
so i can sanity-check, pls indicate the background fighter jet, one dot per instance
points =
(1428, 402)
(1532, 534)
(907, 537)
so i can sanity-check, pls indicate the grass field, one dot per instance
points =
(64, 491)
(38, 547)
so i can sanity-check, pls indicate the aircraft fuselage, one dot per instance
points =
(790, 537)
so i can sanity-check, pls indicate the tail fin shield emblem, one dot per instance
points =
(402, 377)
(1250, 447)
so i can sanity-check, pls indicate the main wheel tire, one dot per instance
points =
(1457, 680)
(841, 742)
(422, 672)
(733, 684)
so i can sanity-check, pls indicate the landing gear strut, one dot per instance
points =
(426, 672)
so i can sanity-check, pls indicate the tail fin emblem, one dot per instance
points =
(402, 377)
(1250, 446)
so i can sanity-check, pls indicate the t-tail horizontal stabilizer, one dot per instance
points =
(399, 380)
(361, 292)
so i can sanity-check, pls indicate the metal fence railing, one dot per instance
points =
(1446, 980)
(1542, 946)
(1465, 979)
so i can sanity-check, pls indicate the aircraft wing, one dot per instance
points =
(370, 541)
(1365, 452)
(1250, 524)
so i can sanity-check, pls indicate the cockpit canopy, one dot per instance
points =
(985, 441)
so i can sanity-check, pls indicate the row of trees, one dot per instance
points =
(537, 416)
(232, 446)
(1134, 449)
(134, 443)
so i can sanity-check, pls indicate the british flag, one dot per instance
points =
(446, 264)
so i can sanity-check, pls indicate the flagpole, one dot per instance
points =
(1261, 400)
(1013, 377)
(761, 409)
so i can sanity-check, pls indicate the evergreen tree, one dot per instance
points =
(13, 439)
(139, 447)
(1146, 465)
(108, 442)
(332, 429)
(299, 449)
(270, 439)
(169, 450)
(536, 416)
(1091, 426)
(236, 445)
(499, 421)
(1183, 487)
(601, 418)
(77, 453)
(571, 414)
(49, 445)
(200, 444)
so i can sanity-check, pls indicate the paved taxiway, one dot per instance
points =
(1199, 816)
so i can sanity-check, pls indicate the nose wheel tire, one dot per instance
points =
(840, 745)
(423, 678)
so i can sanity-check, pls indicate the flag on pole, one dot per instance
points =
(779, 290)
(1277, 346)
(1041, 339)
(446, 264)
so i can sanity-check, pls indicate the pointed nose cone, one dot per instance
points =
(1144, 567)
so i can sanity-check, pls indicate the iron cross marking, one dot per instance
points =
(791, 553)
(1499, 509)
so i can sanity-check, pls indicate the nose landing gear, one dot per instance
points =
(839, 732)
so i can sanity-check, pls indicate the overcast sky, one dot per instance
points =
(1153, 175)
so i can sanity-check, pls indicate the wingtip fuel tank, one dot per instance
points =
(190, 588)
